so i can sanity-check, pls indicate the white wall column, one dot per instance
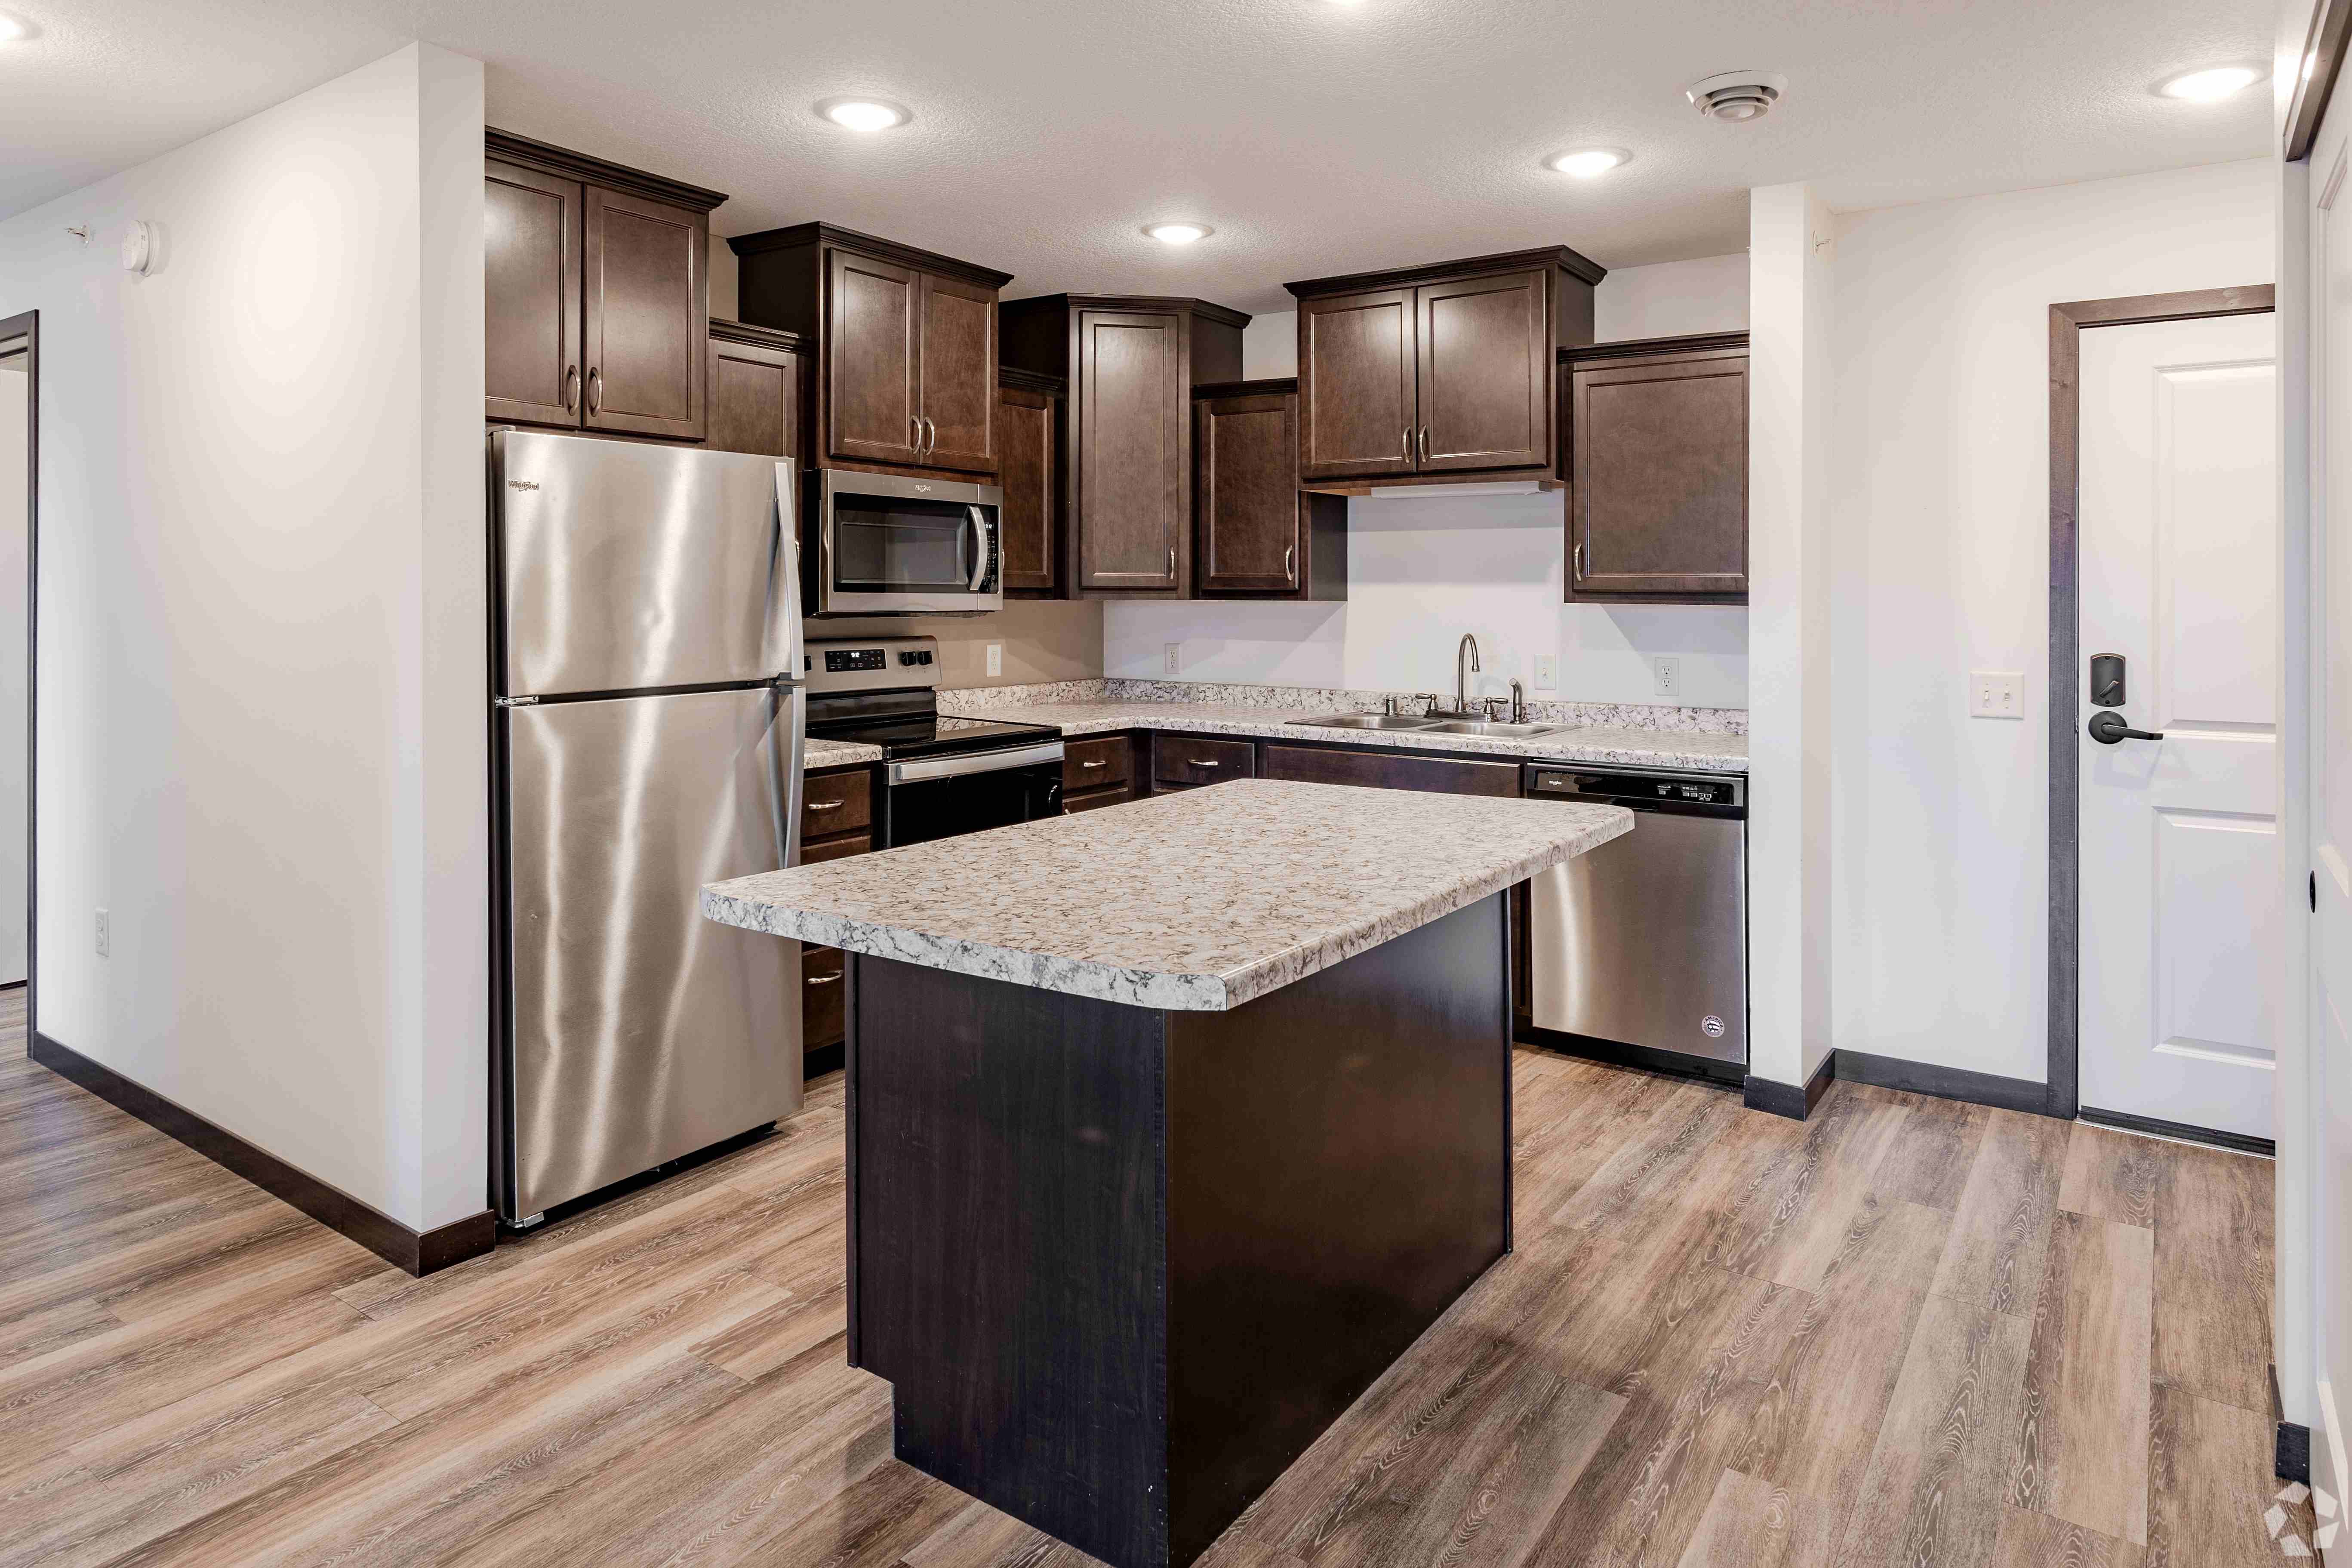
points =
(1790, 254)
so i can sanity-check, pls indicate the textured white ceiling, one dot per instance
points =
(1315, 137)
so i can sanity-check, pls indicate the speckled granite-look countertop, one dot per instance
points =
(1193, 902)
(1630, 747)
(816, 754)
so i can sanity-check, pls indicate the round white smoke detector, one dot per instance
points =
(1737, 95)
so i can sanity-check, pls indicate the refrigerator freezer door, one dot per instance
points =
(639, 1031)
(626, 565)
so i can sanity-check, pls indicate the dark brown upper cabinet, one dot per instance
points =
(596, 292)
(1126, 447)
(1257, 534)
(1429, 374)
(755, 390)
(903, 342)
(1028, 442)
(1658, 469)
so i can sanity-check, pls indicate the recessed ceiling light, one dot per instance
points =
(862, 113)
(1178, 233)
(12, 29)
(1589, 162)
(2208, 86)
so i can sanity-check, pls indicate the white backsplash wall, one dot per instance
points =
(1421, 572)
(1423, 569)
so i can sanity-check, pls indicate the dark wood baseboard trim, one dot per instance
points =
(2237, 1143)
(1945, 1083)
(418, 1252)
(2291, 1455)
(815, 1064)
(12, 985)
(1794, 1101)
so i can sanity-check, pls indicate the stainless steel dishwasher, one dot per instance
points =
(1639, 948)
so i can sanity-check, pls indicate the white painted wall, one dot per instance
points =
(261, 597)
(1939, 536)
(12, 542)
(1789, 843)
(1425, 568)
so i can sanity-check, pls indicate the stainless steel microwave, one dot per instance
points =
(890, 545)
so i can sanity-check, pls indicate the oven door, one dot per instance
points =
(939, 797)
(894, 545)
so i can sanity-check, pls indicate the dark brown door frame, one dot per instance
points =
(2066, 324)
(28, 327)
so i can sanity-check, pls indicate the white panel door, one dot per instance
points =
(2178, 564)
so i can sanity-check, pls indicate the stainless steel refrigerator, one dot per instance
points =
(645, 739)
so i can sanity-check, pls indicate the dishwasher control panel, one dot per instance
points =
(1636, 789)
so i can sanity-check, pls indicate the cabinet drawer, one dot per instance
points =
(1095, 799)
(1097, 765)
(840, 848)
(1190, 759)
(1388, 770)
(820, 1006)
(836, 802)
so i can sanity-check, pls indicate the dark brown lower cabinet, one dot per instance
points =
(1197, 760)
(1257, 534)
(836, 822)
(1095, 800)
(1391, 770)
(1657, 471)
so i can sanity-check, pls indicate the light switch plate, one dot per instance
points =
(1547, 673)
(1667, 677)
(1996, 694)
(1171, 654)
(995, 659)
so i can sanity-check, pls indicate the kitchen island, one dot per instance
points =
(1171, 1126)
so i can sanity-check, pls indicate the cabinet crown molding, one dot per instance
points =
(1012, 375)
(1272, 387)
(1646, 348)
(1138, 303)
(777, 338)
(880, 249)
(1574, 264)
(507, 147)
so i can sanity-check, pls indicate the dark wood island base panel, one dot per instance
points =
(1123, 1266)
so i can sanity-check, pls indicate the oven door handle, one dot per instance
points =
(979, 549)
(975, 762)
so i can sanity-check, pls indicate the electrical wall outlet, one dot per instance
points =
(1170, 656)
(995, 659)
(1996, 694)
(1667, 677)
(105, 933)
(1547, 673)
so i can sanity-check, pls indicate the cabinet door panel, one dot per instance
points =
(1389, 769)
(1246, 492)
(1029, 541)
(530, 225)
(754, 399)
(1484, 390)
(646, 316)
(1356, 364)
(874, 352)
(1658, 492)
(958, 376)
(1135, 427)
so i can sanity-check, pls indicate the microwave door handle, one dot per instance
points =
(979, 549)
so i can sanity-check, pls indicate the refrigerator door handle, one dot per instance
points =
(784, 590)
(786, 757)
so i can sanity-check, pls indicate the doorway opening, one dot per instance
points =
(18, 419)
(2070, 681)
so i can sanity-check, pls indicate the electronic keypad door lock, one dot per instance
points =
(2106, 681)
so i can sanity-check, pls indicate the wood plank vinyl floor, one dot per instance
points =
(1907, 1331)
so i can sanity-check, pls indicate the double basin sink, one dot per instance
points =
(1430, 726)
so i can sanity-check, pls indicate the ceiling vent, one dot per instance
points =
(1737, 95)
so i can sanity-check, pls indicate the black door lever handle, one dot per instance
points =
(2108, 727)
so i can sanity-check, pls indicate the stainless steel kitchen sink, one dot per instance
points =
(1368, 722)
(1492, 727)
